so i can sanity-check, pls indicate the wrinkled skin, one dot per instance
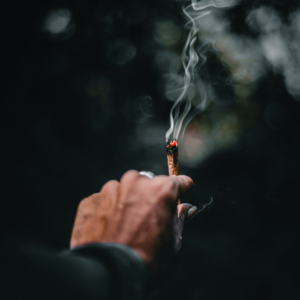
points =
(139, 212)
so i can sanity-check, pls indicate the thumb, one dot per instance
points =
(185, 209)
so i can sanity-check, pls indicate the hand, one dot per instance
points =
(137, 211)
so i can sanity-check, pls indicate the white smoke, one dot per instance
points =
(199, 17)
(279, 44)
(275, 46)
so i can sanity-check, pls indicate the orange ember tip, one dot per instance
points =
(173, 144)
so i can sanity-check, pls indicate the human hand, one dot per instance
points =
(137, 212)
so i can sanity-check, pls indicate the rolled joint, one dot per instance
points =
(172, 157)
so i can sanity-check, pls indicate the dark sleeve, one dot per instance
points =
(127, 270)
(99, 271)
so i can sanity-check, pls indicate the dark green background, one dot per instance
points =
(61, 145)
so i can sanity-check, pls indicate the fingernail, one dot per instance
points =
(191, 211)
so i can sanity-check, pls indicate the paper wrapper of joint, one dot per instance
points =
(172, 157)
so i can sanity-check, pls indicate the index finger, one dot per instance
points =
(174, 186)
(183, 184)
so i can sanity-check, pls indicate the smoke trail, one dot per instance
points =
(189, 60)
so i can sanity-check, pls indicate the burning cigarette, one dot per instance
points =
(172, 156)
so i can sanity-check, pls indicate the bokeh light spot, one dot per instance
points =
(167, 33)
(59, 23)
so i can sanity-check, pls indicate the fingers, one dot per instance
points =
(109, 196)
(163, 188)
(192, 211)
(182, 209)
(130, 176)
(133, 187)
(186, 209)
(183, 184)
(110, 186)
(177, 185)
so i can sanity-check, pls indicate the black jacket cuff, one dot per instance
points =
(128, 270)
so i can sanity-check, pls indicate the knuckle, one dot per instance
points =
(110, 185)
(131, 175)
(84, 205)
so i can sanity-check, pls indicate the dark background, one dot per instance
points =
(73, 120)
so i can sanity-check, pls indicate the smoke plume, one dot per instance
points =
(192, 83)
